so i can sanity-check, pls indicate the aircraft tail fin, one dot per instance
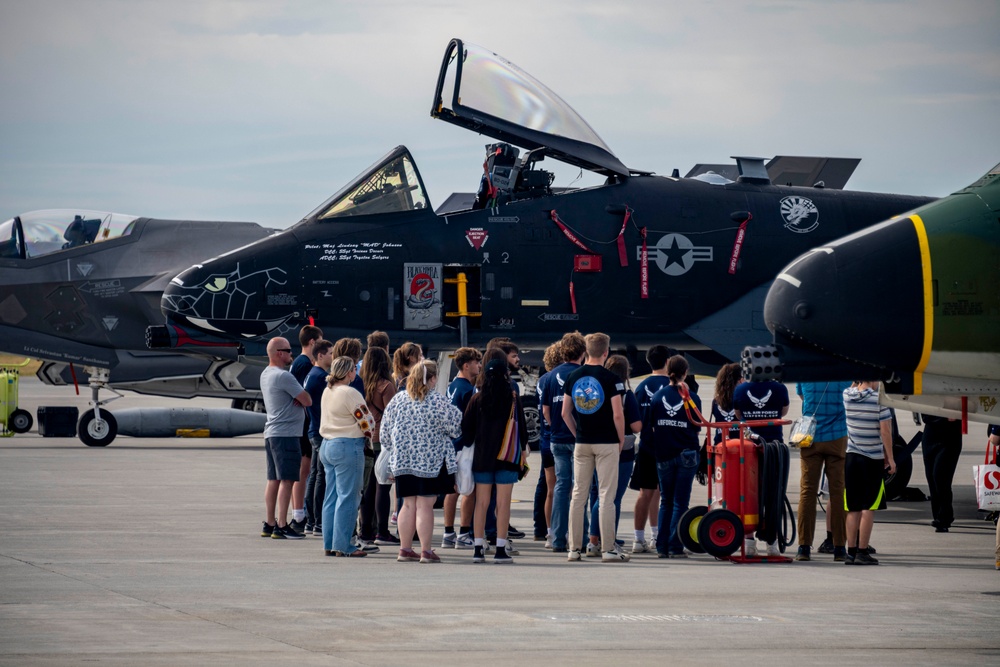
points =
(803, 171)
(834, 172)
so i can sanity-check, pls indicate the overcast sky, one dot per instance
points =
(261, 110)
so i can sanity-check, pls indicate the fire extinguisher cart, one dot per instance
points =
(733, 509)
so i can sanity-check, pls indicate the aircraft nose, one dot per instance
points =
(861, 298)
(232, 297)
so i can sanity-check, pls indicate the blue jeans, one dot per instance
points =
(344, 462)
(624, 475)
(676, 477)
(563, 455)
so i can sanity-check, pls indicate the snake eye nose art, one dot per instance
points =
(217, 284)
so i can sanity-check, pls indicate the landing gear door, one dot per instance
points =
(422, 302)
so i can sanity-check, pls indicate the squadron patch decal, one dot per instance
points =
(800, 214)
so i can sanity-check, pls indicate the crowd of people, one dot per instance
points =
(334, 411)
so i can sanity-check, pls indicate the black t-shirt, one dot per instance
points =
(590, 388)
(947, 432)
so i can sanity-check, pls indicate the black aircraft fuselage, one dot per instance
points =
(358, 273)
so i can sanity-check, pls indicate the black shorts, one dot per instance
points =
(548, 461)
(411, 485)
(644, 475)
(864, 487)
(306, 446)
(283, 458)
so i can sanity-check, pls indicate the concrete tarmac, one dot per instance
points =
(147, 552)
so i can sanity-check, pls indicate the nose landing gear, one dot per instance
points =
(97, 427)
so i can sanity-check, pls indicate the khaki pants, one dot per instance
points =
(831, 455)
(587, 458)
(998, 541)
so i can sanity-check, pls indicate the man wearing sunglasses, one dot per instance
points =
(285, 402)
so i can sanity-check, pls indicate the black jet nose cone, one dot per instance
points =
(860, 298)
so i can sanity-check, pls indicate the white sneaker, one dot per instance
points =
(464, 541)
(511, 549)
(772, 549)
(616, 556)
(367, 547)
(750, 547)
(593, 550)
(573, 555)
(640, 547)
(548, 542)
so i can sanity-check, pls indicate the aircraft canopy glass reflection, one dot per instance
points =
(39, 233)
(486, 93)
(391, 185)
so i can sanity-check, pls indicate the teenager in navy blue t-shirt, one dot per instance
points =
(644, 477)
(726, 381)
(762, 400)
(468, 361)
(674, 440)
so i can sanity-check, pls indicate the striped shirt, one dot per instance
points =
(864, 415)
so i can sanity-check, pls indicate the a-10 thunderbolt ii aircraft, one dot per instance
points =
(78, 288)
(648, 259)
(913, 301)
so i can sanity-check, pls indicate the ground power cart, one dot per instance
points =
(12, 419)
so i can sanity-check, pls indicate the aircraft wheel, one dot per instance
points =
(98, 432)
(720, 533)
(895, 485)
(21, 421)
(687, 529)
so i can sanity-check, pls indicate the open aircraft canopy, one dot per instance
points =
(484, 92)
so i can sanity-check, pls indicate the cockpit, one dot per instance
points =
(39, 233)
(483, 92)
(390, 185)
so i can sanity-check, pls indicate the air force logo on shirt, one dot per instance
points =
(588, 395)
(672, 410)
(759, 402)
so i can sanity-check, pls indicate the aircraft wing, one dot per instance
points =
(981, 409)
